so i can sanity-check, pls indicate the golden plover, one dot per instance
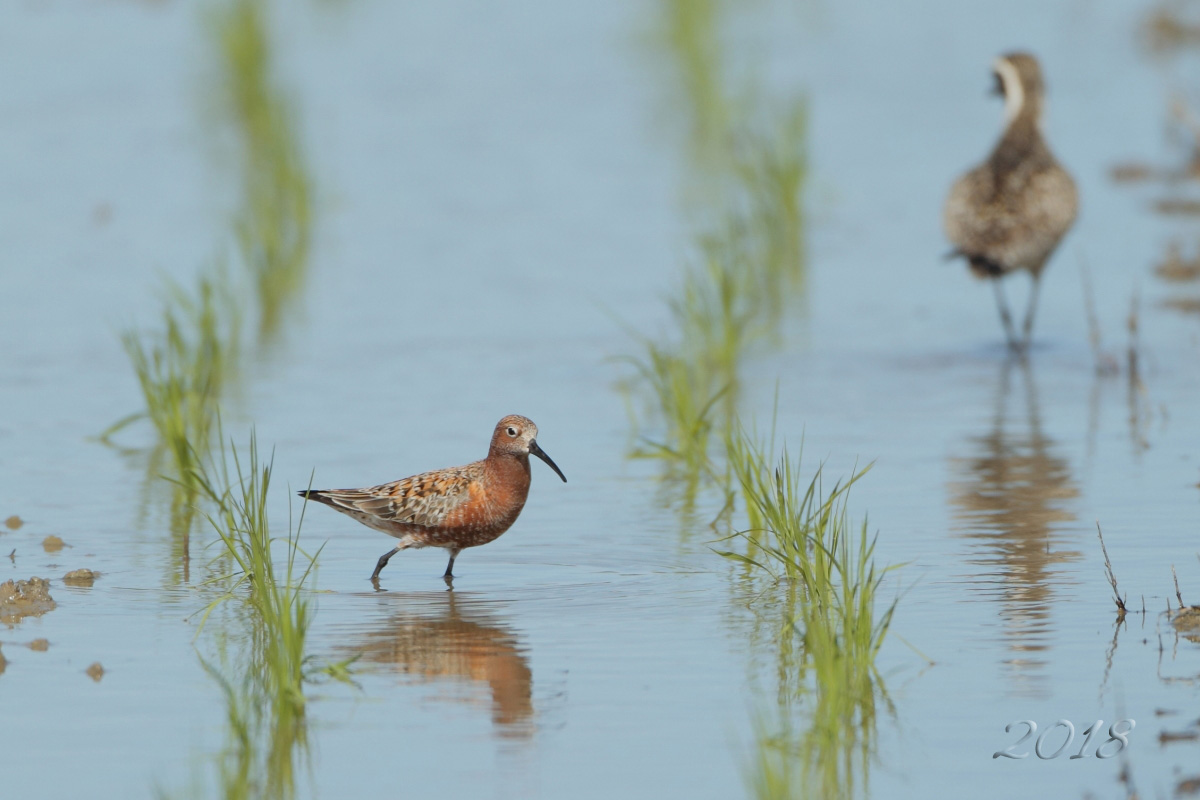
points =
(1010, 212)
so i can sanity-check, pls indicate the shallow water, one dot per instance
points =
(499, 192)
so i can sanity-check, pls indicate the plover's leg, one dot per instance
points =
(1027, 326)
(1005, 317)
(449, 573)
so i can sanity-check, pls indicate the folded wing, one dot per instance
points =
(423, 500)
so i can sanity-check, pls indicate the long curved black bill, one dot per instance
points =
(540, 453)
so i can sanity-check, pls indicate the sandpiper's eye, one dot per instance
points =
(511, 431)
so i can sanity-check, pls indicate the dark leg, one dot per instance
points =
(1027, 327)
(448, 576)
(450, 567)
(383, 559)
(1005, 317)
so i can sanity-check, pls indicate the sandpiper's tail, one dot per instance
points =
(316, 494)
(981, 265)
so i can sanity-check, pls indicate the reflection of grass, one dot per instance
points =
(259, 757)
(802, 542)
(274, 225)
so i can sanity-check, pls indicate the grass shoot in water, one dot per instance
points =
(801, 541)
(264, 685)
(278, 598)
(183, 369)
(729, 301)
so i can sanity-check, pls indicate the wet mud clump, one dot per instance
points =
(52, 544)
(95, 671)
(80, 577)
(3, 662)
(13, 522)
(40, 645)
(22, 599)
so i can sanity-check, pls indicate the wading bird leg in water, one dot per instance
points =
(1005, 317)
(449, 574)
(1027, 327)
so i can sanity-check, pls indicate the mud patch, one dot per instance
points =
(1132, 172)
(95, 671)
(39, 645)
(80, 577)
(13, 522)
(1175, 205)
(52, 544)
(3, 662)
(1186, 305)
(22, 599)
(1175, 268)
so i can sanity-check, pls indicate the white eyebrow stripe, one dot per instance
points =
(1014, 92)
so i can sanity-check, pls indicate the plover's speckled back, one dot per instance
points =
(453, 508)
(1011, 211)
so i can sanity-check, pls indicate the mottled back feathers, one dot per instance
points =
(422, 501)
(1011, 211)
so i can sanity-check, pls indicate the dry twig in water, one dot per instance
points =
(1112, 579)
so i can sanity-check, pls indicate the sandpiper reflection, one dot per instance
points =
(444, 639)
(1011, 497)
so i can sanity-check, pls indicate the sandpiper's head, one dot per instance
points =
(1019, 81)
(517, 436)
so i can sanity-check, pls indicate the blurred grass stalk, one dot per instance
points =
(749, 255)
(185, 368)
(728, 302)
(274, 227)
(802, 541)
(182, 370)
(690, 35)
